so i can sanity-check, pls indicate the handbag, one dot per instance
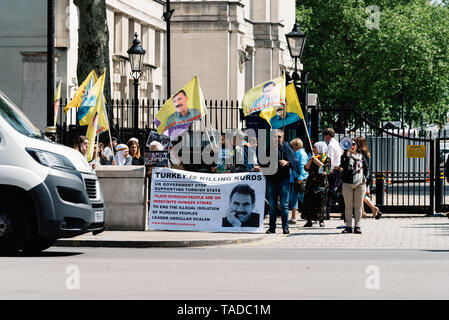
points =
(299, 187)
(320, 192)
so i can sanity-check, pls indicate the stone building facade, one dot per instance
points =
(124, 18)
(23, 56)
(230, 45)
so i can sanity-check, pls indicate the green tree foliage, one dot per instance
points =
(93, 44)
(375, 61)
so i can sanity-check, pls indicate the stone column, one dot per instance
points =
(34, 84)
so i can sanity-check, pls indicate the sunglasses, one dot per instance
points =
(354, 144)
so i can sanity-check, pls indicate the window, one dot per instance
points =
(15, 118)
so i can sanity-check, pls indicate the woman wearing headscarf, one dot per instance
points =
(122, 157)
(315, 197)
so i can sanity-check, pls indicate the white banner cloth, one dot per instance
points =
(192, 201)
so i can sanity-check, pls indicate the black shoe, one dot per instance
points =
(321, 224)
(308, 225)
(285, 231)
(379, 215)
(357, 230)
(271, 231)
(347, 230)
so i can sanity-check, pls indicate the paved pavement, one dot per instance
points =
(390, 232)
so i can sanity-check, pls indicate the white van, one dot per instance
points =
(47, 190)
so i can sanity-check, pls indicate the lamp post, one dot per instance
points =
(50, 128)
(167, 16)
(136, 54)
(296, 40)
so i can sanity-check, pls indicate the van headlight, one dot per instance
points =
(50, 159)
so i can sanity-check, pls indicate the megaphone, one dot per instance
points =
(345, 143)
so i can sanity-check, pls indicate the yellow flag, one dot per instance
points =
(81, 92)
(97, 117)
(91, 134)
(277, 117)
(96, 93)
(265, 95)
(57, 102)
(181, 110)
(293, 104)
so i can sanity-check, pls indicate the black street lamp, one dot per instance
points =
(136, 54)
(167, 17)
(295, 41)
(50, 129)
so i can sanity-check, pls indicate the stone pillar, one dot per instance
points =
(34, 84)
(121, 34)
(125, 197)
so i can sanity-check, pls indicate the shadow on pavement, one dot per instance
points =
(312, 234)
(48, 254)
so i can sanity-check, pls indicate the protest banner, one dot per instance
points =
(268, 94)
(192, 201)
(181, 110)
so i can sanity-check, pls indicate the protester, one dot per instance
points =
(175, 162)
(224, 156)
(250, 155)
(317, 185)
(298, 181)
(366, 154)
(354, 168)
(81, 144)
(122, 157)
(334, 152)
(278, 184)
(99, 157)
(134, 152)
(156, 146)
(238, 157)
(108, 150)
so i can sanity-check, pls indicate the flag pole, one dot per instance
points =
(109, 128)
(307, 133)
(107, 120)
(96, 151)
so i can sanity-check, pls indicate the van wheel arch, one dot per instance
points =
(18, 206)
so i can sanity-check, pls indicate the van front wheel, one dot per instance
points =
(15, 226)
(37, 244)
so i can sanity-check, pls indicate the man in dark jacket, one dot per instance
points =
(278, 184)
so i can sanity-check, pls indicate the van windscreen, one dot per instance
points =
(16, 118)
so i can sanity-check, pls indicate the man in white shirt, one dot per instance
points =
(107, 152)
(334, 152)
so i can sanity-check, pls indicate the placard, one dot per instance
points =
(192, 201)
(156, 158)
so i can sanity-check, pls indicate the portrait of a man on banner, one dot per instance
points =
(181, 110)
(264, 96)
(279, 116)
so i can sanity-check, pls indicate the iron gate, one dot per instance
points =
(407, 172)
